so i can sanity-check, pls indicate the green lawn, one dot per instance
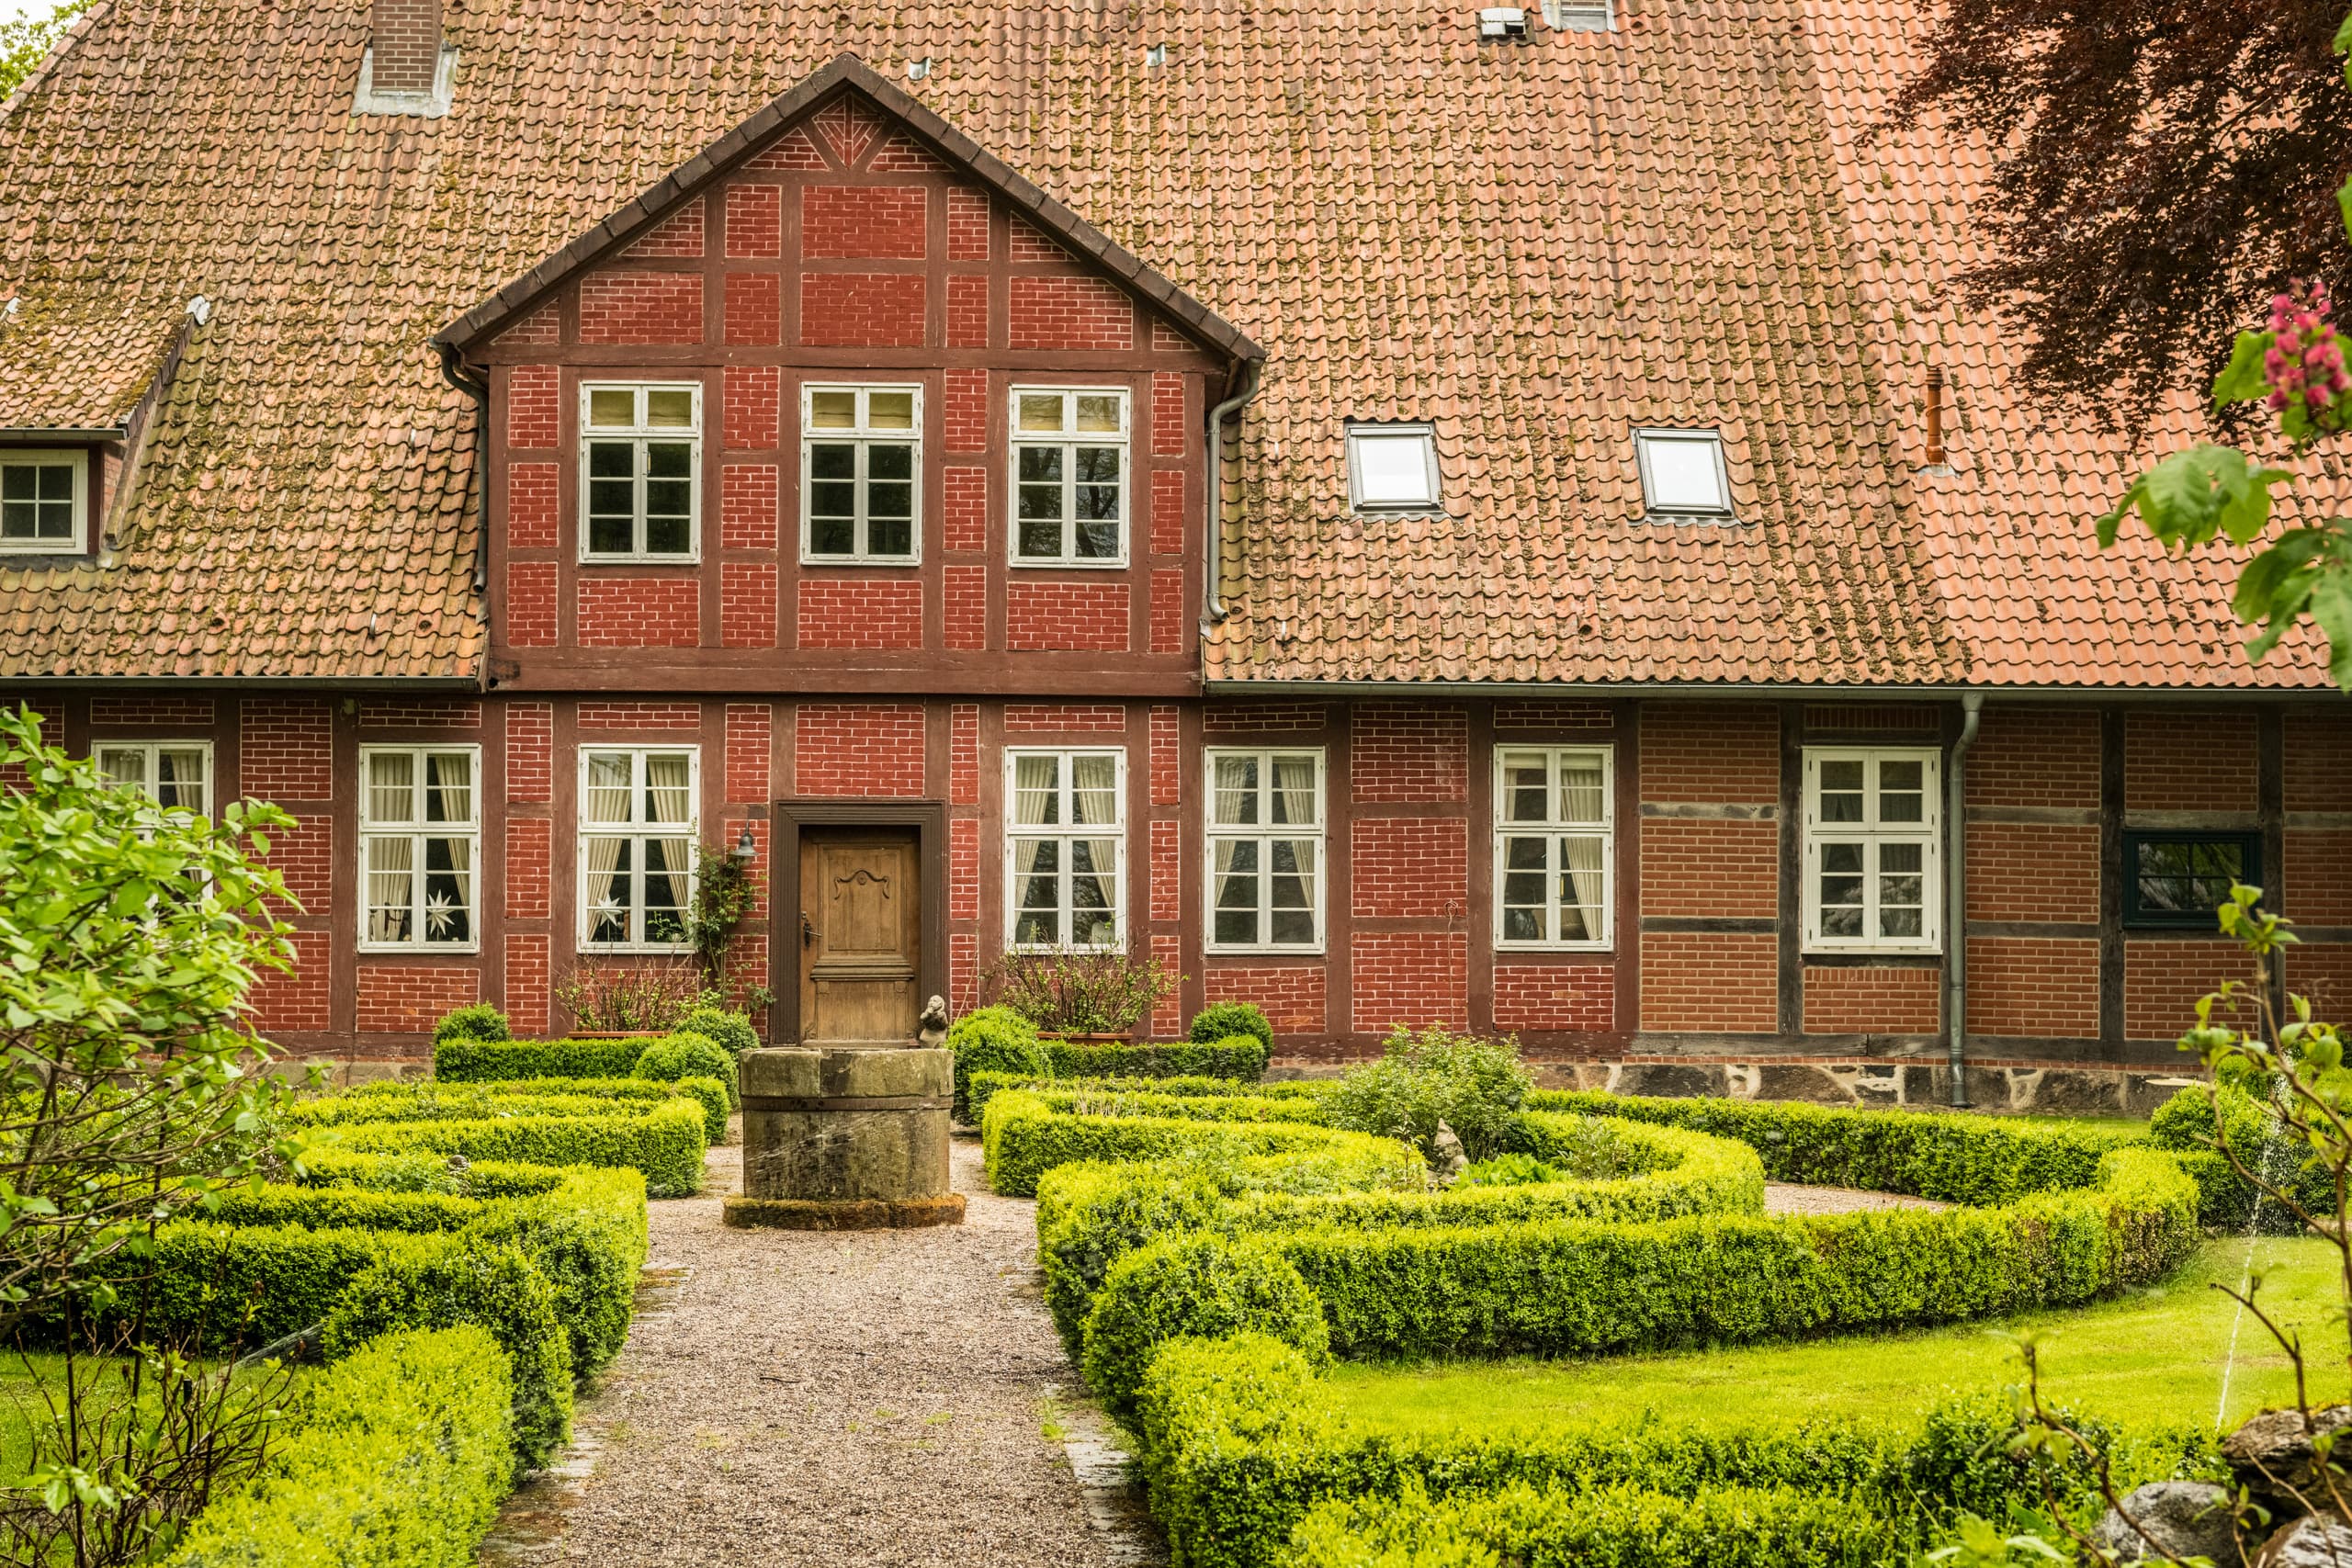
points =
(2155, 1356)
(24, 1412)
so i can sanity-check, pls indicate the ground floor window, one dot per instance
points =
(1265, 845)
(1554, 826)
(420, 834)
(1872, 848)
(1064, 847)
(2181, 878)
(169, 773)
(639, 816)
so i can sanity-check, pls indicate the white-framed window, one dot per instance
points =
(420, 848)
(860, 474)
(640, 814)
(1683, 474)
(1392, 468)
(173, 774)
(1069, 476)
(1872, 848)
(1554, 845)
(640, 470)
(1265, 848)
(44, 502)
(1064, 847)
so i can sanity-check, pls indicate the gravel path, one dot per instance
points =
(869, 1398)
(1787, 1198)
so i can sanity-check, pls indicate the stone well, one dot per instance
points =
(846, 1139)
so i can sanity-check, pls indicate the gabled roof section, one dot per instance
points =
(663, 198)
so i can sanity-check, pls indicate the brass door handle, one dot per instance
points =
(808, 931)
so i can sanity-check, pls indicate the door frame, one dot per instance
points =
(787, 819)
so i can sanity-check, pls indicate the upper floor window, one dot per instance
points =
(43, 502)
(1065, 847)
(1871, 848)
(1683, 474)
(420, 830)
(1069, 476)
(1392, 468)
(638, 821)
(861, 453)
(640, 449)
(2183, 878)
(1555, 829)
(170, 773)
(1265, 837)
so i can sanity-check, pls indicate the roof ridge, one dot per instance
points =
(39, 73)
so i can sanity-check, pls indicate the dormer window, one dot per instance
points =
(1392, 468)
(1683, 477)
(43, 502)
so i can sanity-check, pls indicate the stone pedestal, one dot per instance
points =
(846, 1139)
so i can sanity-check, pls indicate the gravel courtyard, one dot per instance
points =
(790, 1398)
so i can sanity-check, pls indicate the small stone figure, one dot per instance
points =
(1450, 1163)
(931, 1029)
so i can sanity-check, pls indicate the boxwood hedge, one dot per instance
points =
(476, 1061)
(397, 1457)
(666, 1141)
(1239, 1057)
(1192, 1087)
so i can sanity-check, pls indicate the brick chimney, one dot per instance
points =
(405, 35)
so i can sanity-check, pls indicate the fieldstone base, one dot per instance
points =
(842, 1214)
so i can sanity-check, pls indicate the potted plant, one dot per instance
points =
(620, 1002)
(1088, 997)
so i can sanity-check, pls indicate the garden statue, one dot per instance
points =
(1446, 1169)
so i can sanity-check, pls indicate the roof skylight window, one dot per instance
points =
(1392, 468)
(1683, 474)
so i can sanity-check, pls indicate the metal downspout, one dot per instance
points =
(1213, 603)
(1971, 705)
(452, 372)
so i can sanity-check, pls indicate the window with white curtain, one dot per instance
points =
(170, 773)
(1064, 849)
(1871, 833)
(419, 837)
(1554, 827)
(638, 818)
(1266, 847)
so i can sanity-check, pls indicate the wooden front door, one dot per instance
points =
(860, 922)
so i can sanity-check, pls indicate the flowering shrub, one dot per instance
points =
(1080, 993)
(2303, 364)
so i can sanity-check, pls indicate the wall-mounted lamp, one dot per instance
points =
(745, 852)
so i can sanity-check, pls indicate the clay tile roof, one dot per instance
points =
(1534, 246)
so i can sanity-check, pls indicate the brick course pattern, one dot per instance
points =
(1167, 871)
(2318, 763)
(747, 506)
(286, 748)
(963, 869)
(1168, 612)
(404, 37)
(858, 749)
(754, 221)
(967, 224)
(2029, 757)
(747, 604)
(542, 327)
(2162, 980)
(1029, 243)
(2033, 871)
(754, 398)
(1169, 427)
(1269, 719)
(2319, 876)
(640, 309)
(964, 507)
(965, 628)
(1872, 1001)
(534, 414)
(639, 612)
(1168, 512)
(755, 310)
(1409, 754)
(1711, 753)
(1709, 982)
(644, 717)
(862, 310)
(2323, 974)
(1412, 977)
(526, 984)
(1290, 995)
(1526, 716)
(304, 855)
(964, 754)
(1166, 767)
(750, 740)
(2030, 986)
(1576, 999)
(2189, 762)
(793, 151)
(1710, 868)
(530, 751)
(962, 972)
(302, 998)
(861, 612)
(408, 999)
(1854, 718)
(1409, 866)
(964, 412)
(530, 604)
(151, 710)
(534, 501)
(863, 222)
(419, 713)
(678, 235)
(529, 867)
(1167, 1017)
(1047, 616)
(1069, 313)
(967, 312)
(1063, 718)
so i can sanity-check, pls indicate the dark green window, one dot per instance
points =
(2180, 879)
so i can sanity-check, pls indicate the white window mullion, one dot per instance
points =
(1867, 810)
(1534, 805)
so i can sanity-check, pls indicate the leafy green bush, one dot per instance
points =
(666, 1143)
(731, 1032)
(1223, 1020)
(476, 1061)
(1508, 1170)
(1086, 991)
(2188, 1123)
(1241, 1056)
(677, 1056)
(1474, 1086)
(475, 1021)
(396, 1457)
(1194, 1286)
(992, 1040)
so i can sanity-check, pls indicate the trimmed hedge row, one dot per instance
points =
(1023, 1137)
(716, 1095)
(982, 1084)
(397, 1458)
(1240, 1442)
(666, 1141)
(480, 1061)
(1239, 1057)
(327, 1165)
